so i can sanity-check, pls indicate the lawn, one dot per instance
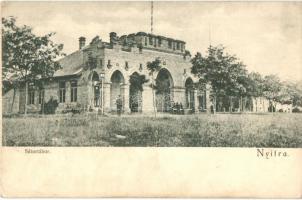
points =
(219, 130)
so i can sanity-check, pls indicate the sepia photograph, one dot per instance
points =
(152, 74)
(164, 99)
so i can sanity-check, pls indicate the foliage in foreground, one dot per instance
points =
(278, 130)
(27, 58)
(229, 77)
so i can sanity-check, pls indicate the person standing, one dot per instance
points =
(119, 105)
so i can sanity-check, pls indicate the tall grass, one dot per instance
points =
(219, 130)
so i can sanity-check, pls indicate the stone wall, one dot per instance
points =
(51, 89)
(178, 66)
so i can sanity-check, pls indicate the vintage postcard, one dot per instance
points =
(151, 99)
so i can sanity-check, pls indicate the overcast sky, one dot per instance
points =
(267, 37)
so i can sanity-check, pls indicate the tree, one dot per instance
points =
(294, 91)
(290, 93)
(272, 88)
(153, 67)
(238, 82)
(224, 72)
(27, 57)
(255, 85)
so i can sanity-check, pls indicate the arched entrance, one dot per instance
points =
(189, 94)
(135, 92)
(96, 89)
(164, 83)
(117, 80)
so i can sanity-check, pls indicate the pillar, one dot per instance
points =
(125, 91)
(179, 95)
(89, 94)
(207, 98)
(106, 93)
(196, 110)
(147, 99)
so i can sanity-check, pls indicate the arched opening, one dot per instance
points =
(96, 89)
(135, 92)
(164, 98)
(116, 91)
(189, 85)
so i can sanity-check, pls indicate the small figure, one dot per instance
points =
(119, 105)
(96, 96)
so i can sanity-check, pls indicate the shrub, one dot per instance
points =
(51, 106)
(296, 110)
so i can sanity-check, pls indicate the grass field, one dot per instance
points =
(219, 130)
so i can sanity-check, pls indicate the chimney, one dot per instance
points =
(113, 38)
(82, 41)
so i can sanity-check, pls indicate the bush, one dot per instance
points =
(296, 110)
(51, 106)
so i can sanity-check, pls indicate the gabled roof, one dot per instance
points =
(71, 64)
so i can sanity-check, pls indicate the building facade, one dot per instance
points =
(99, 73)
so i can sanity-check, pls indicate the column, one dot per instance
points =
(106, 93)
(207, 98)
(179, 95)
(89, 94)
(125, 89)
(196, 109)
(147, 99)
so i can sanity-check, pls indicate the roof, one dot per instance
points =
(71, 64)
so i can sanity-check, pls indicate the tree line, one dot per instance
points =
(229, 77)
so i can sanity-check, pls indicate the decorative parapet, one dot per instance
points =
(149, 41)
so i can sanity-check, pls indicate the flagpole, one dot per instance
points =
(151, 16)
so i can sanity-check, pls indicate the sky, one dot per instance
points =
(266, 36)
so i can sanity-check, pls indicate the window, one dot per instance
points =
(101, 62)
(31, 96)
(140, 49)
(41, 96)
(159, 42)
(140, 67)
(74, 91)
(150, 40)
(173, 46)
(126, 65)
(170, 44)
(146, 41)
(109, 63)
(177, 46)
(62, 91)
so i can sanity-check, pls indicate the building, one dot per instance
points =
(79, 83)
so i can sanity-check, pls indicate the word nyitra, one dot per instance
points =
(270, 153)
